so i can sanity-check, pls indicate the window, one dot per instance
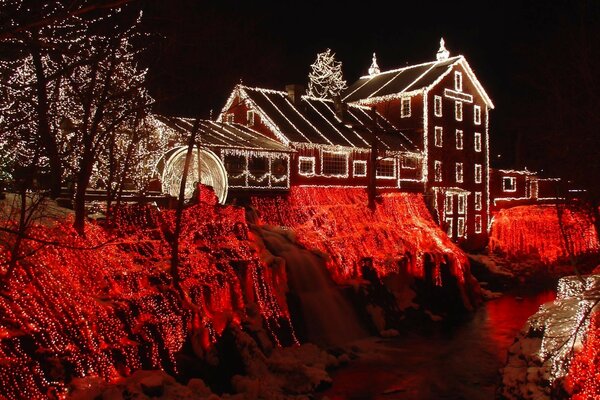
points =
(230, 118)
(478, 202)
(509, 184)
(462, 200)
(306, 166)
(449, 226)
(437, 140)
(437, 166)
(437, 101)
(250, 117)
(459, 139)
(409, 162)
(478, 225)
(386, 168)
(359, 168)
(477, 141)
(478, 173)
(235, 165)
(459, 172)
(405, 107)
(448, 206)
(458, 81)
(334, 164)
(477, 115)
(460, 227)
(458, 110)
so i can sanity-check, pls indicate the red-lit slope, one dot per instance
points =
(338, 222)
(534, 230)
(112, 309)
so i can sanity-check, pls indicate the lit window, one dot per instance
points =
(334, 164)
(437, 171)
(386, 168)
(459, 139)
(460, 227)
(459, 172)
(478, 173)
(458, 105)
(509, 184)
(438, 105)
(409, 162)
(449, 227)
(477, 115)
(458, 81)
(477, 141)
(461, 199)
(230, 118)
(478, 202)
(448, 206)
(437, 140)
(306, 166)
(405, 107)
(359, 168)
(250, 117)
(478, 224)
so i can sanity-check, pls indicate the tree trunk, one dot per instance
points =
(83, 181)
(48, 140)
(372, 170)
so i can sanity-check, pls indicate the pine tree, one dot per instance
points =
(326, 78)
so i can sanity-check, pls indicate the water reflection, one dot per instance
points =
(458, 361)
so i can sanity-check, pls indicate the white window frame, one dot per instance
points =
(477, 142)
(449, 223)
(512, 179)
(448, 204)
(250, 115)
(394, 168)
(405, 112)
(459, 139)
(478, 173)
(478, 200)
(311, 160)
(458, 110)
(345, 154)
(460, 227)
(478, 224)
(477, 115)
(437, 171)
(230, 118)
(359, 162)
(437, 101)
(459, 172)
(438, 138)
(458, 82)
(461, 203)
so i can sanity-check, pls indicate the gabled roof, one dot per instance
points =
(217, 134)
(408, 80)
(315, 121)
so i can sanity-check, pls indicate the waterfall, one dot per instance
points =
(329, 317)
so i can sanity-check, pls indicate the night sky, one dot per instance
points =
(201, 49)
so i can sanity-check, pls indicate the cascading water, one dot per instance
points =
(329, 317)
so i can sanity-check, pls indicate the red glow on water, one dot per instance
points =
(109, 311)
(535, 230)
(337, 222)
(583, 380)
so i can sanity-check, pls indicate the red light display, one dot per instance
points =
(583, 380)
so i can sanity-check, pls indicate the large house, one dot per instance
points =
(427, 125)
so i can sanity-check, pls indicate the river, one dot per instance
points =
(446, 361)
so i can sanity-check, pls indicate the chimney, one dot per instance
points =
(295, 92)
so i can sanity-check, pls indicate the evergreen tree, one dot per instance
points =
(326, 78)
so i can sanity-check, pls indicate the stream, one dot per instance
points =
(446, 361)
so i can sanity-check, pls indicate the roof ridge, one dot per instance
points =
(453, 58)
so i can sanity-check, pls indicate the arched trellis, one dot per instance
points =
(204, 164)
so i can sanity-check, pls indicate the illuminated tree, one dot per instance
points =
(326, 79)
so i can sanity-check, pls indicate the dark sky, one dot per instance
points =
(203, 48)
